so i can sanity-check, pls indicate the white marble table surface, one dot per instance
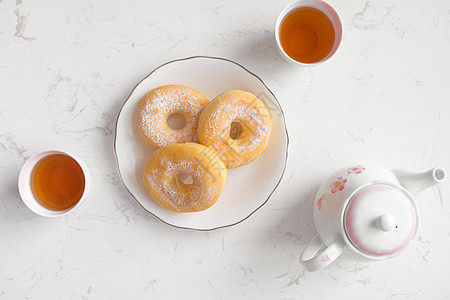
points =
(66, 67)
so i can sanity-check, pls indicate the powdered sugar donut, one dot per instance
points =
(156, 107)
(185, 177)
(237, 125)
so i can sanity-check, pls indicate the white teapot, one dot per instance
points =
(368, 211)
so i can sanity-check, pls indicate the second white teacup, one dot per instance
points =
(308, 32)
(61, 178)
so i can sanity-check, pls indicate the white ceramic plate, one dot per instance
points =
(248, 187)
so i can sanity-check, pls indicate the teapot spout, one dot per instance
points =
(416, 183)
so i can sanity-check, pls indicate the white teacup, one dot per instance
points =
(26, 192)
(325, 8)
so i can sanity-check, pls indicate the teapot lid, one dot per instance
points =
(380, 220)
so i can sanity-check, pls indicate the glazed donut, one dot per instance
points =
(158, 104)
(204, 174)
(237, 125)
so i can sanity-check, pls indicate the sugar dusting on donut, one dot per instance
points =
(163, 101)
(235, 110)
(163, 177)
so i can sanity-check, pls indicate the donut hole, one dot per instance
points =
(176, 121)
(235, 130)
(186, 178)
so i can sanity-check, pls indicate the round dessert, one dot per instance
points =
(163, 102)
(237, 125)
(185, 177)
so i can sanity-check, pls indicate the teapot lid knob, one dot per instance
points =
(386, 222)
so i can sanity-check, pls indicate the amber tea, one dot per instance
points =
(57, 182)
(307, 35)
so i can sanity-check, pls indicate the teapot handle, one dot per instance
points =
(313, 260)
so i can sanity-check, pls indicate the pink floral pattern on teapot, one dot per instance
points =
(338, 185)
(355, 170)
(319, 201)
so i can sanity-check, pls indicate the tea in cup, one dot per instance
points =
(308, 32)
(53, 183)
